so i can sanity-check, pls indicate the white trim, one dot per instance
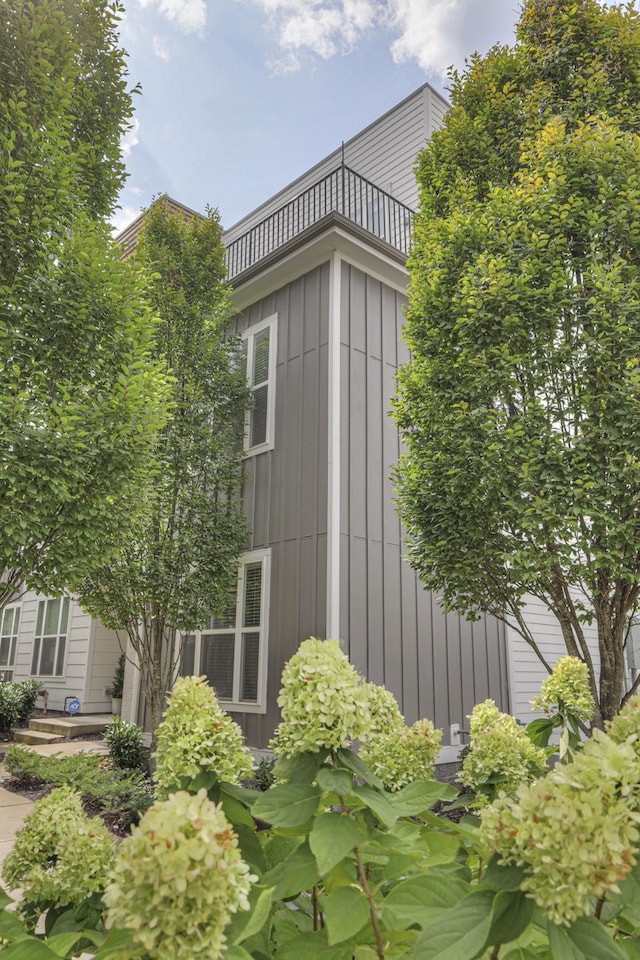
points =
(249, 335)
(333, 451)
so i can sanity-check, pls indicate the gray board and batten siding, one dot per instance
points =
(393, 630)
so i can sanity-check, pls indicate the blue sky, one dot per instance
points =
(239, 97)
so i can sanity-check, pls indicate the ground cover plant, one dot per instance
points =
(330, 863)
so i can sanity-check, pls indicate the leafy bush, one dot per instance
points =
(28, 697)
(117, 684)
(106, 789)
(60, 855)
(10, 703)
(501, 755)
(197, 736)
(126, 749)
(178, 879)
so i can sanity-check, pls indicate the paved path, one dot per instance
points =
(13, 807)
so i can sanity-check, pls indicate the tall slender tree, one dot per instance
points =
(520, 406)
(181, 563)
(81, 395)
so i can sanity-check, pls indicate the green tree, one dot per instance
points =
(81, 399)
(520, 405)
(181, 563)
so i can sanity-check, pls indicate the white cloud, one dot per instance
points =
(160, 47)
(130, 138)
(189, 15)
(435, 33)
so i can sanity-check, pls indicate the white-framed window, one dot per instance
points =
(259, 359)
(231, 651)
(50, 644)
(9, 626)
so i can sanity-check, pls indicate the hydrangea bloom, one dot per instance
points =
(60, 856)
(403, 754)
(573, 831)
(501, 754)
(625, 728)
(383, 709)
(177, 880)
(566, 690)
(323, 700)
(195, 735)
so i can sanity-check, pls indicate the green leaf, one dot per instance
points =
(441, 848)
(236, 952)
(250, 847)
(332, 837)
(460, 934)
(254, 918)
(585, 939)
(62, 943)
(540, 730)
(313, 946)
(298, 872)
(498, 877)
(29, 949)
(335, 781)
(511, 915)
(520, 953)
(378, 802)
(300, 769)
(352, 762)
(11, 927)
(346, 911)
(117, 946)
(5, 899)
(419, 796)
(422, 900)
(287, 804)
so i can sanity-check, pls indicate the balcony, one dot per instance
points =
(343, 191)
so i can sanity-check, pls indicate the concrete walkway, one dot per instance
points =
(13, 807)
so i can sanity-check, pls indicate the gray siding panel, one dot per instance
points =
(396, 633)
(285, 494)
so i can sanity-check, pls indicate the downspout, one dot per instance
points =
(333, 458)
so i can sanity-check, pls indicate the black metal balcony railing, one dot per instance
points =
(341, 191)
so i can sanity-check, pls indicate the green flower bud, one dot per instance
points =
(566, 690)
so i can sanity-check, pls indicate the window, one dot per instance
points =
(231, 651)
(51, 638)
(9, 625)
(259, 358)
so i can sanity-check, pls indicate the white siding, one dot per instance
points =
(90, 658)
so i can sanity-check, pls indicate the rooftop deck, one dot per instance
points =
(341, 191)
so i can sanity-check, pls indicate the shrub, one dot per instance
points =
(178, 879)
(404, 754)
(60, 855)
(10, 703)
(573, 831)
(196, 735)
(323, 700)
(27, 699)
(501, 755)
(24, 765)
(126, 749)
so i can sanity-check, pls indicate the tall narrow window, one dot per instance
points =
(9, 626)
(50, 642)
(231, 651)
(259, 356)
